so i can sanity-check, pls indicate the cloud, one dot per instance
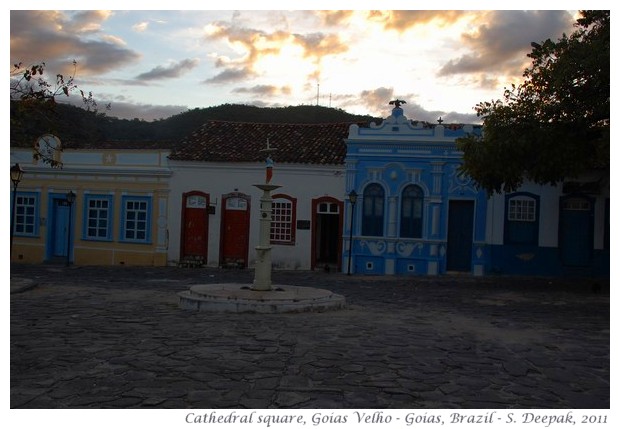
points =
(503, 39)
(376, 97)
(231, 75)
(140, 26)
(89, 21)
(257, 44)
(376, 102)
(318, 45)
(334, 18)
(147, 112)
(173, 70)
(403, 20)
(266, 90)
(58, 38)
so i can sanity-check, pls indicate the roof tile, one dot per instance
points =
(222, 141)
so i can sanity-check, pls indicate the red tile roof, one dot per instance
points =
(222, 141)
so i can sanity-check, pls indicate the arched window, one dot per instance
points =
(411, 212)
(372, 210)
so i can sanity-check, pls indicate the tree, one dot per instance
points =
(33, 96)
(554, 125)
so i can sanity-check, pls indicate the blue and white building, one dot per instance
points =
(415, 213)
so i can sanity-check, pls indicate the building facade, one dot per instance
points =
(194, 203)
(215, 209)
(415, 213)
(551, 230)
(117, 213)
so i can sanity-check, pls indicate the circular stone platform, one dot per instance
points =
(240, 298)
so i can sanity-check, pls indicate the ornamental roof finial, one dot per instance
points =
(397, 102)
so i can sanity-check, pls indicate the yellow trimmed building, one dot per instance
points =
(104, 206)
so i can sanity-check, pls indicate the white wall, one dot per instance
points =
(217, 179)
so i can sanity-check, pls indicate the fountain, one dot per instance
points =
(261, 296)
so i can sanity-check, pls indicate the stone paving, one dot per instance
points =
(114, 337)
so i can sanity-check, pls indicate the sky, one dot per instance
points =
(151, 64)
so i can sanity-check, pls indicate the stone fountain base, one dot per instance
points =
(241, 298)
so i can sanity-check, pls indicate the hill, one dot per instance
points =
(75, 125)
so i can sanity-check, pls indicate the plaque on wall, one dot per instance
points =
(303, 224)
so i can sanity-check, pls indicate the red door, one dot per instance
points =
(195, 225)
(235, 236)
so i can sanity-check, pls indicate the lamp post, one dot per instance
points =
(16, 176)
(70, 200)
(352, 200)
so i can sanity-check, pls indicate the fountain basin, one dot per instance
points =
(241, 298)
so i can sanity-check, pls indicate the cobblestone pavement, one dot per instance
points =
(114, 337)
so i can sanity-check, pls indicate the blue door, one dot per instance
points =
(60, 228)
(460, 235)
(576, 230)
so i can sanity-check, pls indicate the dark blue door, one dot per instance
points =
(460, 235)
(576, 233)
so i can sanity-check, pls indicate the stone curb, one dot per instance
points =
(20, 284)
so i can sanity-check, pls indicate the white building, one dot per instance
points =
(215, 209)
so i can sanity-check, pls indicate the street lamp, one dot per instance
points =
(16, 176)
(352, 200)
(70, 200)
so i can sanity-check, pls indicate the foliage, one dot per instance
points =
(554, 125)
(37, 106)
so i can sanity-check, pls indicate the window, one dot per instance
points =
(283, 215)
(26, 214)
(411, 212)
(98, 217)
(328, 208)
(521, 219)
(372, 210)
(522, 209)
(576, 203)
(135, 223)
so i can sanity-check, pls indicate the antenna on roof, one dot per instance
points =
(317, 93)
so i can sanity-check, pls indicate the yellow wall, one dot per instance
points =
(113, 180)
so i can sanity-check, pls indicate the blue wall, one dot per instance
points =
(394, 155)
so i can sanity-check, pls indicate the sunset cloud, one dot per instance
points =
(334, 17)
(441, 62)
(403, 20)
(230, 76)
(60, 38)
(140, 26)
(170, 71)
(254, 45)
(266, 90)
(504, 38)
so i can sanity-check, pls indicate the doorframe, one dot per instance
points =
(248, 199)
(473, 230)
(183, 208)
(52, 197)
(591, 214)
(315, 204)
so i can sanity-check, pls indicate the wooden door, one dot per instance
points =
(576, 231)
(327, 233)
(195, 225)
(60, 228)
(460, 235)
(235, 232)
